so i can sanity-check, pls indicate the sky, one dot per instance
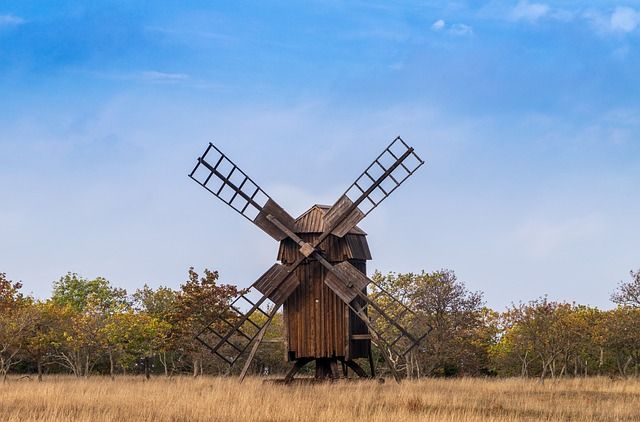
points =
(527, 114)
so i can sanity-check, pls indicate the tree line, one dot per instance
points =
(90, 327)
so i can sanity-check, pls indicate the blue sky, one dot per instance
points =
(527, 113)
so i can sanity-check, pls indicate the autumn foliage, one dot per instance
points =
(90, 327)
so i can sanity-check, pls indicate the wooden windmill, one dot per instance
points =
(332, 311)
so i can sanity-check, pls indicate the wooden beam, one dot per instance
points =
(258, 340)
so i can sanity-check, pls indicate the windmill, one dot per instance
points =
(332, 311)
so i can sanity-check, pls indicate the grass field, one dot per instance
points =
(214, 399)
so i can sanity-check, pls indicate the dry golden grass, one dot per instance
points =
(215, 399)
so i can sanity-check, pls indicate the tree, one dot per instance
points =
(86, 307)
(621, 338)
(628, 294)
(10, 293)
(161, 304)
(78, 293)
(15, 320)
(550, 333)
(456, 315)
(43, 333)
(131, 337)
(201, 300)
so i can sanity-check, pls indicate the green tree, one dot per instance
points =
(80, 293)
(132, 337)
(162, 305)
(87, 306)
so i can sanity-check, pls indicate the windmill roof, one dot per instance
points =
(312, 221)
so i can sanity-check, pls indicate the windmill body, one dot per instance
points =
(320, 280)
(317, 323)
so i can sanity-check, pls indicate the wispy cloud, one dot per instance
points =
(529, 11)
(162, 77)
(191, 33)
(438, 25)
(622, 20)
(10, 20)
(150, 76)
(459, 29)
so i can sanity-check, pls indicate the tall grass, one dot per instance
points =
(217, 399)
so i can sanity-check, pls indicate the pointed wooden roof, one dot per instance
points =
(312, 221)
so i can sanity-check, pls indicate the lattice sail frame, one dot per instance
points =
(385, 174)
(398, 161)
(398, 342)
(231, 185)
(244, 331)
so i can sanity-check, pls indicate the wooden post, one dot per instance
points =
(261, 334)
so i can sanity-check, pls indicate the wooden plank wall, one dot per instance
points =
(317, 322)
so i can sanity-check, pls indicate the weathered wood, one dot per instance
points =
(361, 337)
(319, 329)
(343, 216)
(277, 284)
(372, 366)
(346, 281)
(272, 208)
(297, 366)
(356, 368)
(313, 221)
(256, 345)
(335, 249)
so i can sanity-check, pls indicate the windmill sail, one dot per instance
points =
(215, 172)
(387, 172)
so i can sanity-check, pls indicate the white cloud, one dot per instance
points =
(624, 19)
(10, 20)
(155, 76)
(529, 11)
(460, 29)
(438, 25)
